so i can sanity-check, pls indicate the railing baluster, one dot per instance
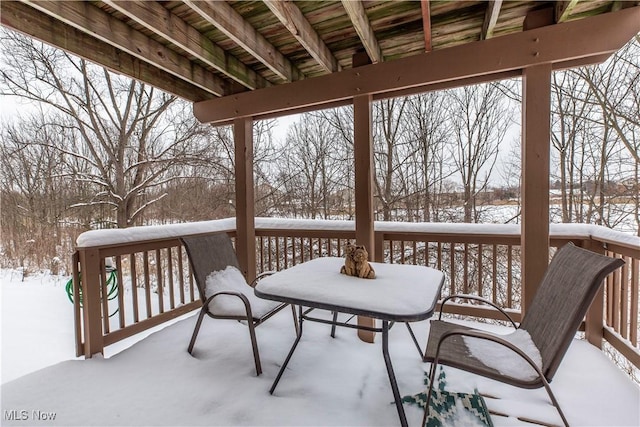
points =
(191, 284)
(160, 288)
(480, 278)
(286, 251)
(616, 300)
(624, 294)
(181, 274)
(293, 250)
(104, 296)
(452, 259)
(261, 240)
(465, 276)
(609, 296)
(509, 276)
(147, 284)
(635, 285)
(494, 281)
(121, 305)
(134, 287)
(172, 298)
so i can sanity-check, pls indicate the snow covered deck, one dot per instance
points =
(339, 381)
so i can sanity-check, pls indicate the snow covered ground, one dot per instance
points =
(339, 381)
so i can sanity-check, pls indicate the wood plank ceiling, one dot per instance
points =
(201, 50)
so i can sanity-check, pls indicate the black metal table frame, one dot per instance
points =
(386, 326)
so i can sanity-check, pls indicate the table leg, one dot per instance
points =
(415, 340)
(293, 348)
(392, 377)
(333, 327)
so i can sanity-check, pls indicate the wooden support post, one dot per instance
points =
(245, 210)
(91, 301)
(363, 153)
(536, 113)
(594, 322)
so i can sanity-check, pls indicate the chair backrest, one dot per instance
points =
(562, 300)
(209, 253)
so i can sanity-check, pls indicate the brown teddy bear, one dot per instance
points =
(356, 262)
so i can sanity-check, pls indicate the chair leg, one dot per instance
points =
(196, 330)
(554, 401)
(432, 374)
(254, 344)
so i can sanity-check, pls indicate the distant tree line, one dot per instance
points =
(99, 150)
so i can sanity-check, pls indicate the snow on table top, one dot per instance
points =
(398, 290)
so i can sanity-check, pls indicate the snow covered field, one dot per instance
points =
(334, 382)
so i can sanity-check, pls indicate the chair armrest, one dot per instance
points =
(261, 276)
(474, 333)
(243, 298)
(477, 298)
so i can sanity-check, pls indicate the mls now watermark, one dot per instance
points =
(26, 415)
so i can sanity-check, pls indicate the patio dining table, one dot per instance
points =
(399, 293)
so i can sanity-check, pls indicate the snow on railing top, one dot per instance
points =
(120, 236)
(110, 237)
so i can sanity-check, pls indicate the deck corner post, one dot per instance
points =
(364, 170)
(91, 301)
(536, 142)
(245, 198)
(594, 320)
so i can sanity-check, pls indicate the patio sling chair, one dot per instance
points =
(223, 289)
(551, 321)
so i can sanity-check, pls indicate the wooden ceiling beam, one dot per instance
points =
(93, 21)
(163, 22)
(554, 44)
(563, 9)
(233, 25)
(426, 25)
(361, 23)
(490, 18)
(47, 29)
(293, 19)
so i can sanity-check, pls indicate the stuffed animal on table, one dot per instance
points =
(356, 262)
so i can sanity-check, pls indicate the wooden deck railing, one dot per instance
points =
(155, 284)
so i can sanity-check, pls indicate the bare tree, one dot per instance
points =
(429, 166)
(480, 118)
(390, 152)
(312, 173)
(35, 195)
(130, 135)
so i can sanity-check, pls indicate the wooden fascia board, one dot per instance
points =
(294, 21)
(233, 25)
(172, 28)
(426, 25)
(554, 44)
(394, 94)
(361, 23)
(47, 29)
(490, 18)
(93, 21)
